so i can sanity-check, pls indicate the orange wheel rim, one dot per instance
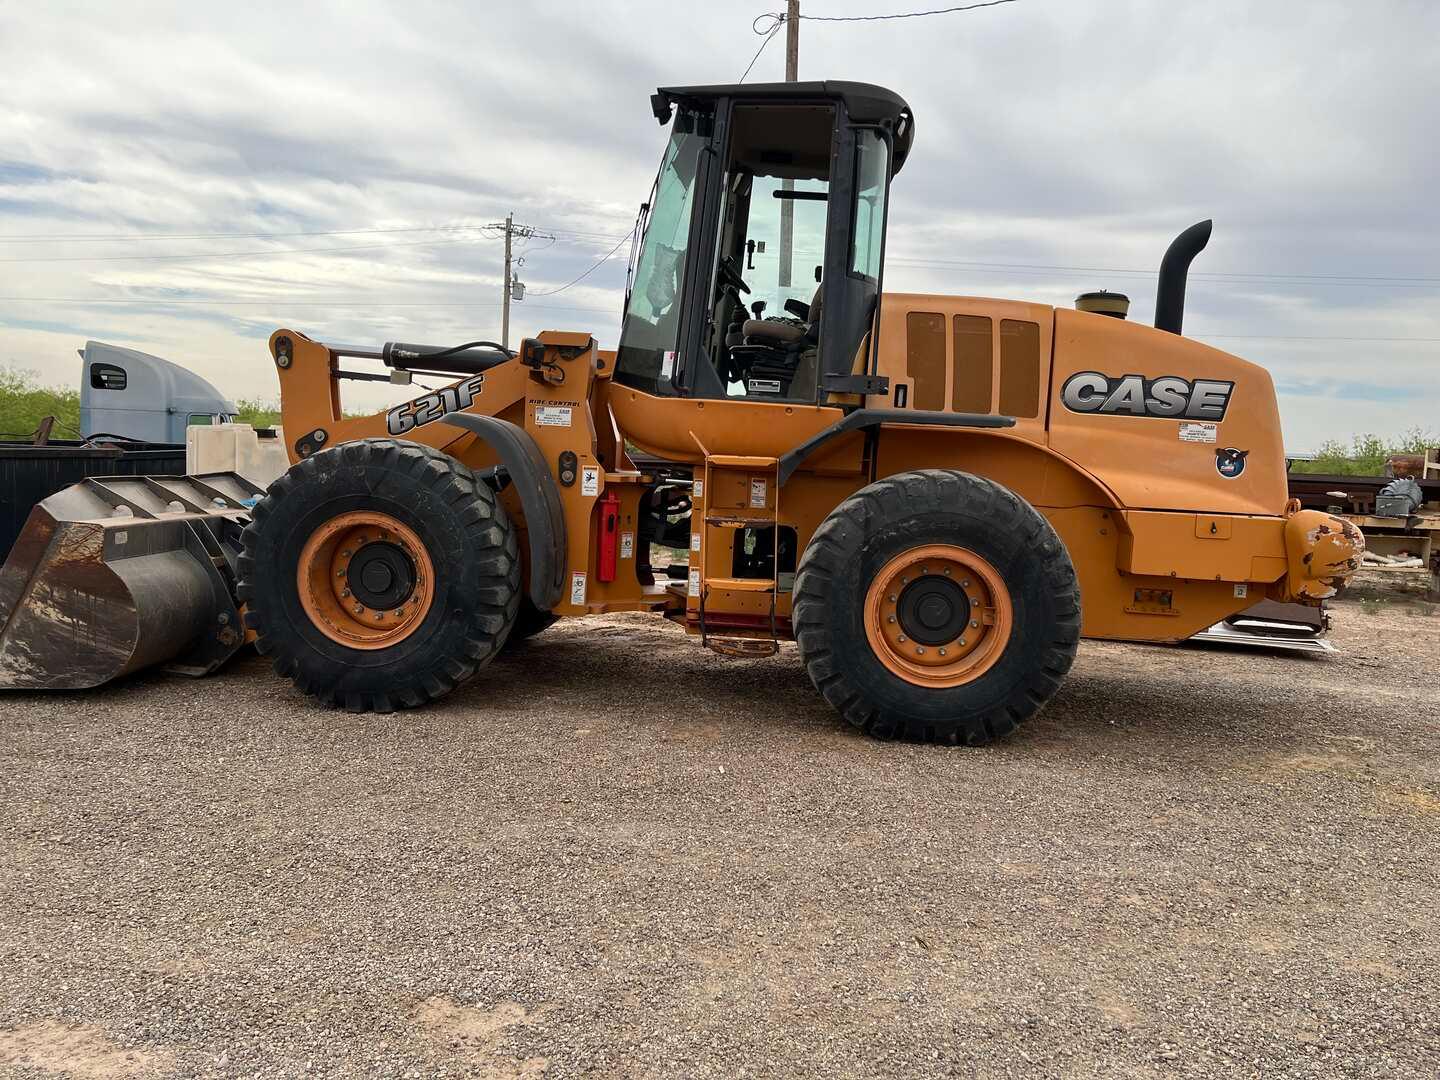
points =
(938, 615)
(365, 580)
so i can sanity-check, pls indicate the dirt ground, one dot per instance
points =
(617, 855)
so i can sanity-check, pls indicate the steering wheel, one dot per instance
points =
(730, 273)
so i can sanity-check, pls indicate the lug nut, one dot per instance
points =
(974, 624)
(964, 584)
(359, 609)
(947, 571)
(902, 639)
(892, 598)
(345, 592)
(961, 641)
(892, 618)
(942, 652)
(919, 650)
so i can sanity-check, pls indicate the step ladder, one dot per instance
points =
(738, 492)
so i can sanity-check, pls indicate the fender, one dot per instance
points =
(539, 498)
(864, 419)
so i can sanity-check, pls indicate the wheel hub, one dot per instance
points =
(365, 580)
(381, 575)
(938, 615)
(933, 610)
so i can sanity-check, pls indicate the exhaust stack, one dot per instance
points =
(1174, 268)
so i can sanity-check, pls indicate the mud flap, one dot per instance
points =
(116, 574)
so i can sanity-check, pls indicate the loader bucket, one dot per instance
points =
(118, 573)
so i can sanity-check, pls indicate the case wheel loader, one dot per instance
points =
(935, 497)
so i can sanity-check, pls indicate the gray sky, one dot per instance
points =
(1060, 145)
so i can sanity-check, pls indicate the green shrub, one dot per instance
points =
(24, 402)
(1366, 454)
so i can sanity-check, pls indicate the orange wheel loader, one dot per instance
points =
(935, 497)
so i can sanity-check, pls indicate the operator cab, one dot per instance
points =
(758, 267)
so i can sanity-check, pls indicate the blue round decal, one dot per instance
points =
(1230, 462)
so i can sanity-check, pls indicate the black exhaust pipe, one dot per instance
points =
(1174, 268)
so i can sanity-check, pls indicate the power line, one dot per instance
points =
(1153, 273)
(1276, 281)
(318, 301)
(1305, 337)
(755, 26)
(587, 273)
(904, 14)
(237, 254)
(100, 238)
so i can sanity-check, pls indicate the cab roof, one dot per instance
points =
(865, 102)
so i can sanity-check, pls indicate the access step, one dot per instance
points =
(741, 584)
(743, 648)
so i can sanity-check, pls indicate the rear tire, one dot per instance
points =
(938, 606)
(380, 574)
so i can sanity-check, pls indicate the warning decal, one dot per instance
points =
(1198, 432)
(553, 415)
(577, 587)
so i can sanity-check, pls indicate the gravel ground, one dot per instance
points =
(619, 855)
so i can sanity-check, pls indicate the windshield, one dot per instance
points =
(650, 333)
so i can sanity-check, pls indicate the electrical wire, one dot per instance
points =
(562, 235)
(237, 254)
(904, 14)
(36, 238)
(1257, 277)
(1277, 282)
(219, 302)
(755, 26)
(604, 259)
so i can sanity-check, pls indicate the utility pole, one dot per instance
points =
(511, 287)
(505, 317)
(787, 206)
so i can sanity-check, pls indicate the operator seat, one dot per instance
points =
(775, 332)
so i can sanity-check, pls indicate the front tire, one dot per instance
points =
(938, 606)
(380, 574)
(530, 621)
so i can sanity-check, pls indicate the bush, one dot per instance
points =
(260, 414)
(24, 402)
(1366, 454)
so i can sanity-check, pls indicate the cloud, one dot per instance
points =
(1059, 148)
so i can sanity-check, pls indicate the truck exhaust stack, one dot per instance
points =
(1174, 269)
